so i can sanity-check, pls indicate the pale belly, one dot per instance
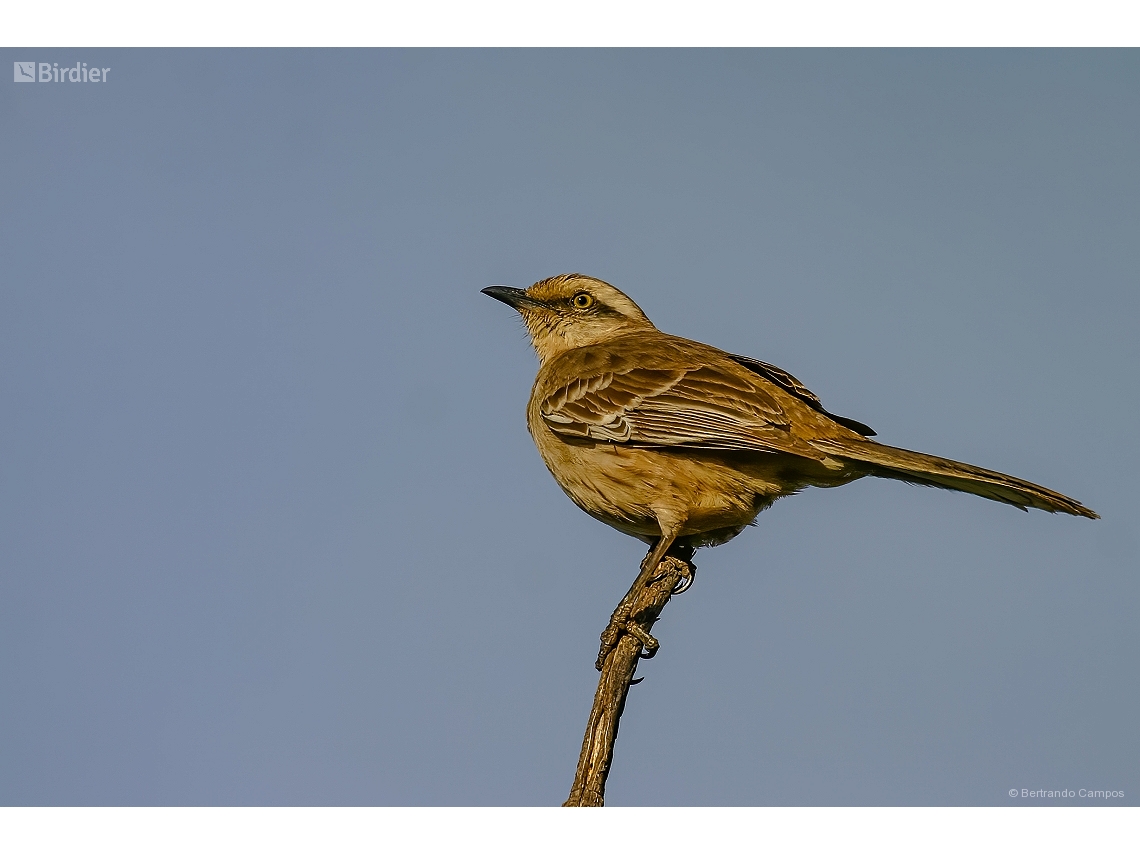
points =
(711, 495)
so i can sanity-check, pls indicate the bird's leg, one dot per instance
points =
(621, 620)
(687, 571)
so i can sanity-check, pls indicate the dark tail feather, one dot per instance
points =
(889, 462)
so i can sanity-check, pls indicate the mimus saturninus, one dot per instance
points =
(681, 445)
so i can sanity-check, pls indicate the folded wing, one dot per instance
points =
(790, 384)
(701, 407)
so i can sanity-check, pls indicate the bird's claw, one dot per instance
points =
(612, 633)
(610, 636)
(688, 576)
(649, 644)
(685, 569)
(622, 622)
(622, 625)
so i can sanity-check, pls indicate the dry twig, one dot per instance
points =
(617, 676)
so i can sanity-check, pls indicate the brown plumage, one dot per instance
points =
(681, 444)
(661, 436)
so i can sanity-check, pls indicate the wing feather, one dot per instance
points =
(702, 407)
(785, 380)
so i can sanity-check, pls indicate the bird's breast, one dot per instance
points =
(631, 488)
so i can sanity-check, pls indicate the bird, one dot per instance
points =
(681, 444)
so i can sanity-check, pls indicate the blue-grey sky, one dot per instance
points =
(272, 530)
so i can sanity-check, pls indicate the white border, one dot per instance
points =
(552, 831)
(570, 23)
(234, 23)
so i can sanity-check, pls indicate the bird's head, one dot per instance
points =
(570, 311)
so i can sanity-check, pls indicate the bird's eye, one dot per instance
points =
(582, 300)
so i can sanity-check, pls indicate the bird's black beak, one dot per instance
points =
(516, 298)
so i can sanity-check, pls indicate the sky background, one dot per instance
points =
(272, 530)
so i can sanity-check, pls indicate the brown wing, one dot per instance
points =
(785, 380)
(701, 407)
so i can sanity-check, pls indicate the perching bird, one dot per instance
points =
(681, 444)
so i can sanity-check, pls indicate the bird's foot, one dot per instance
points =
(649, 644)
(622, 621)
(688, 571)
(619, 620)
(622, 624)
(683, 566)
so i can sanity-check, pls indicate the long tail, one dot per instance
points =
(889, 462)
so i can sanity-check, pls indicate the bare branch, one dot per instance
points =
(617, 675)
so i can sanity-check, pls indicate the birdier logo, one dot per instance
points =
(50, 72)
